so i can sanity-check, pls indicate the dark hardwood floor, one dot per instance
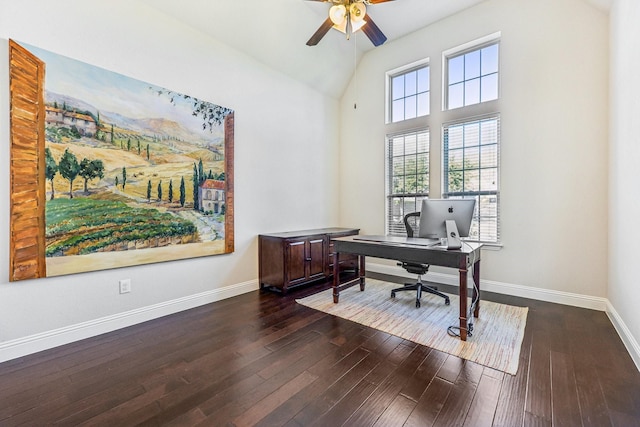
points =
(262, 359)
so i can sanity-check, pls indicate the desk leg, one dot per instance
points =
(362, 271)
(463, 303)
(336, 277)
(476, 289)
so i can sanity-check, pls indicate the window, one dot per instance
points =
(472, 77)
(468, 163)
(407, 176)
(470, 169)
(409, 96)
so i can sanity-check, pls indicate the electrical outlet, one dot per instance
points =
(125, 286)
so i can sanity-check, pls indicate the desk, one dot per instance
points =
(460, 259)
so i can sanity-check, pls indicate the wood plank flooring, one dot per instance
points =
(262, 359)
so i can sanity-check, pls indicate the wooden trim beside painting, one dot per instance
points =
(27, 180)
(229, 127)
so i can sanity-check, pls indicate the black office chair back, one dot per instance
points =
(411, 223)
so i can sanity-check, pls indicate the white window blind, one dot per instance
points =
(471, 170)
(407, 176)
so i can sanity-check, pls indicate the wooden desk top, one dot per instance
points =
(434, 255)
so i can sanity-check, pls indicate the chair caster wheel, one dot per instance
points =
(447, 302)
(417, 303)
(393, 294)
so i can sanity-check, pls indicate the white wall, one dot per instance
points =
(554, 118)
(624, 199)
(285, 148)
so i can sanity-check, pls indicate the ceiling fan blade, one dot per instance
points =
(320, 32)
(373, 32)
(378, 1)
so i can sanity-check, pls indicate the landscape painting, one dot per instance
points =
(132, 173)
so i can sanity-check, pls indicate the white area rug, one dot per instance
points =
(497, 333)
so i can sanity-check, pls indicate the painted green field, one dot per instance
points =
(86, 225)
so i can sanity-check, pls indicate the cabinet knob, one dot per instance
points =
(308, 259)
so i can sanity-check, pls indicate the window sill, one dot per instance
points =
(492, 246)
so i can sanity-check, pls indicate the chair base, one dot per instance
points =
(419, 288)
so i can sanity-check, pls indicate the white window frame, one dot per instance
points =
(388, 87)
(461, 50)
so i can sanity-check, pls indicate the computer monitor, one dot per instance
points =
(436, 211)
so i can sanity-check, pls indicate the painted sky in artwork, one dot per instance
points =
(113, 92)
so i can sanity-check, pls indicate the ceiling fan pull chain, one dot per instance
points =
(355, 70)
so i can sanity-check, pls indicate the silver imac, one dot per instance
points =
(435, 213)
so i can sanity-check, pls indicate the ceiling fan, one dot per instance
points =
(349, 16)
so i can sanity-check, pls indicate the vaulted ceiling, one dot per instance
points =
(275, 32)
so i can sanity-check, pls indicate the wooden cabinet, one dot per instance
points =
(298, 257)
(305, 259)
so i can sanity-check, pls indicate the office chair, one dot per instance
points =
(410, 223)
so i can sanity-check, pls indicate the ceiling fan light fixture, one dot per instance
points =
(357, 11)
(349, 16)
(338, 15)
(356, 25)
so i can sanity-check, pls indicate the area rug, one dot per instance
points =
(497, 333)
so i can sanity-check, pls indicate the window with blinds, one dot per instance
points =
(407, 176)
(468, 164)
(471, 170)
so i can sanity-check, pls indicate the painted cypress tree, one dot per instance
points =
(160, 191)
(149, 190)
(196, 183)
(182, 192)
(201, 175)
(170, 191)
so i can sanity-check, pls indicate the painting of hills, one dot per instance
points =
(135, 173)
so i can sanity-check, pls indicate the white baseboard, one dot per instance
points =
(625, 334)
(559, 297)
(57, 337)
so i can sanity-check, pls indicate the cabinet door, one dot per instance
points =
(316, 250)
(296, 261)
